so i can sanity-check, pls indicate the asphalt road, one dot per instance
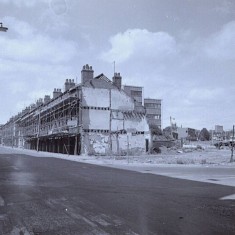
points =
(53, 196)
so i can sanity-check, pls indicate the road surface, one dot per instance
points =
(53, 196)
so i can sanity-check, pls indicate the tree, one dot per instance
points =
(204, 134)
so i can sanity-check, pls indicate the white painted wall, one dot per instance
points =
(95, 119)
(95, 97)
(182, 132)
(120, 100)
(137, 124)
(98, 143)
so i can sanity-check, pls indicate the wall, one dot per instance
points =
(96, 143)
(117, 121)
(128, 144)
(137, 123)
(95, 97)
(121, 101)
(95, 112)
(95, 119)
(96, 123)
(182, 132)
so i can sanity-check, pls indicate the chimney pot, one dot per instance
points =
(117, 80)
(87, 73)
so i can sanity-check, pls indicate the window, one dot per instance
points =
(158, 117)
(136, 93)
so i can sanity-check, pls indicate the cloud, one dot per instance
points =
(139, 43)
(222, 44)
(32, 63)
(24, 43)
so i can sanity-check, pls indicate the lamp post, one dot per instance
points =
(2, 28)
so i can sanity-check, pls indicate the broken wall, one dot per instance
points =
(96, 143)
(97, 118)
(128, 144)
(121, 101)
(136, 123)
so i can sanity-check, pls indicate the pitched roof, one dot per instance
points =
(100, 81)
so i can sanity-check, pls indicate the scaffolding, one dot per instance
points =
(53, 127)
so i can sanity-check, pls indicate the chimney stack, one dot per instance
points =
(117, 80)
(56, 93)
(47, 99)
(69, 83)
(87, 73)
(39, 102)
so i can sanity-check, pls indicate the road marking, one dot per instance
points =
(2, 203)
(229, 197)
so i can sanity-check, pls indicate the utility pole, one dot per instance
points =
(231, 159)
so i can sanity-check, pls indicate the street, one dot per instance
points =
(53, 196)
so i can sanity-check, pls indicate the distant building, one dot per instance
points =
(219, 129)
(218, 134)
(135, 92)
(153, 112)
(187, 133)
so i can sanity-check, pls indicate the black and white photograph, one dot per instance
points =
(117, 117)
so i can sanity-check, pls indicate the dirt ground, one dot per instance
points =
(191, 154)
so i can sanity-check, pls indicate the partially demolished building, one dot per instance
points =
(96, 116)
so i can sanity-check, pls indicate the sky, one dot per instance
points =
(180, 51)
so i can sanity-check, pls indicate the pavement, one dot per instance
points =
(223, 175)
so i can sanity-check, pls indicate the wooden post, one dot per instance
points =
(68, 150)
(231, 159)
